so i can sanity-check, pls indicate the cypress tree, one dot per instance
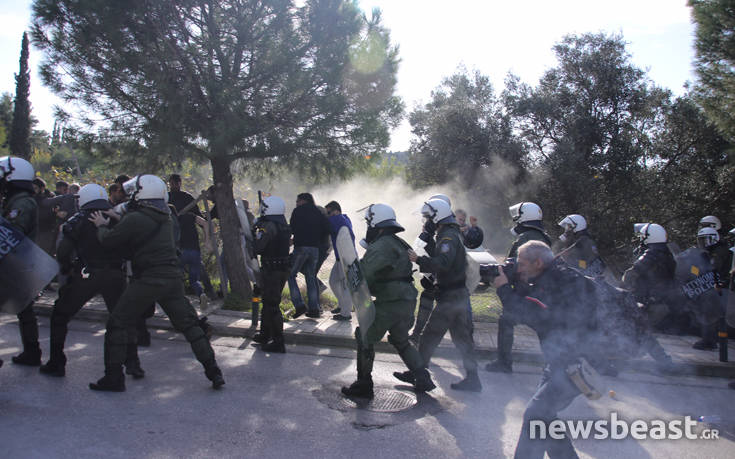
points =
(20, 132)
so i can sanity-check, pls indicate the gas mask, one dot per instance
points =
(371, 234)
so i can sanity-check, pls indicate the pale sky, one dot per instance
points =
(436, 36)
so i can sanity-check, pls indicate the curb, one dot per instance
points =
(639, 365)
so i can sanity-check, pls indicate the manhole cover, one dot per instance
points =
(385, 401)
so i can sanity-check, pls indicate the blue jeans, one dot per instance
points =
(191, 260)
(555, 392)
(304, 259)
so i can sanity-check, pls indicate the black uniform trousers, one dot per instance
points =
(271, 321)
(137, 297)
(453, 313)
(73, 295)
(28, 324)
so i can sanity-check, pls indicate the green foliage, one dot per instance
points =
(20, 132)
(588, 123)
(462, 130)
(309, 86)
(715, 61)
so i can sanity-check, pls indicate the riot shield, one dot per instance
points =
(696, 279)
(25, 269)
(730, 315)
(361, 299)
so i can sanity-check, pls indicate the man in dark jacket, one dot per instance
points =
(310, 227)
(559, 305)
(191, 256)
(146, 232)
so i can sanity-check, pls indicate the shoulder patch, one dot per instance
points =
(13, 214)
(444, 247)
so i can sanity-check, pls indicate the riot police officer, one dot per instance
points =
(427, 297)
(650, 280)
(21, 210)
(708, 239)
(388, 272)
(453, 311)
(529, 227)
(145, 230)
(89, 270)
(651, 277)
(580, 251)
(272, 236)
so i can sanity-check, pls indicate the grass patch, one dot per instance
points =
(235, 302)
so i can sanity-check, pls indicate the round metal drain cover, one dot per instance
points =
(385, 401)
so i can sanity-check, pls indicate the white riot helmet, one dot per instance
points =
(574, 223)
(272, 205)
(146, 187)
(710, 221)
(90, 193)
(650, 233)
(438, 211)
(707, 236)
(443, 197)
(525, 212)
(381, 216)
(13, 169)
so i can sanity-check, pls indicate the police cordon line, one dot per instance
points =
(130, 246)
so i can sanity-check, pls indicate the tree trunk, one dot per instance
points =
(230, 229)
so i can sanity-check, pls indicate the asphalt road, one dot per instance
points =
(287, 406)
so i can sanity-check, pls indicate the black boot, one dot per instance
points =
(362, 388)
(30, 357)
(423, 381)
(260, 338)
(470, 383)
(406, 376)
(112, 381)
(499, 366)
(214, 374)
(274, 345)
(54, 367)
(133, 369)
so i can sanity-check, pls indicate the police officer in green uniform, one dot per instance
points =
(388, 273)
(145, 230)
(529, 227)
(272, 243)
(453, 311)
(90, 270)
(21, 210)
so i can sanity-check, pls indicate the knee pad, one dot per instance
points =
(194, 333)
(398, 343)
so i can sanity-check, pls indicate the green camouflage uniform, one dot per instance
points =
(388, 273)
(147, 234)
(21, 210)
